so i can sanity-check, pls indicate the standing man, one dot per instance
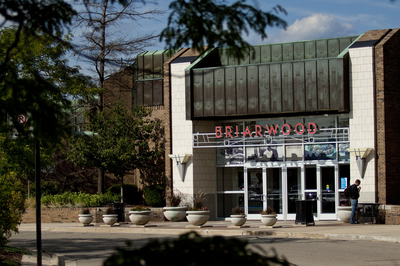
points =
(354, 195)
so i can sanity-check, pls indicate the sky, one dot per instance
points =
(306, 19)
(315, 19)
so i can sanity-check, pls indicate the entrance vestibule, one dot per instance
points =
(279, 186)
(269, 168)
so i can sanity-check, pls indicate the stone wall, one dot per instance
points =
(390, 214)
(70, 215)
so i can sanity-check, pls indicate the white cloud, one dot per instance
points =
(316, 26)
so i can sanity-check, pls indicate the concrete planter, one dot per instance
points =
(174, 214)
(110, 219)
(268, 219)
(344, 213)
(238, 220)
(139, 217)
(197, 218)
(85, 219)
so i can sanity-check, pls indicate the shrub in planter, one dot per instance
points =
(268, 217)
(85, 217)
(238, 217)
(192, 249)
(154, 195)
(132, 195)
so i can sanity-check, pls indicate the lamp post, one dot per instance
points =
(38, 194)
(22, 119)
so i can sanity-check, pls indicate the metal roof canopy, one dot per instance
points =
(308, 77)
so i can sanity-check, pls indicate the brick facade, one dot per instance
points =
(118, 88)
(387, 69)
(380, 130)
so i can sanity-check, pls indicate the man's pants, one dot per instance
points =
(354, 204)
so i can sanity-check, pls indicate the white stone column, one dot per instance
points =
(181, 128)
(200, 169)
(362, 117)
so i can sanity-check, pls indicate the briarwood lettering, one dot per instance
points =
(270, 130)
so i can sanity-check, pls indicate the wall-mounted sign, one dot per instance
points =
(270, 130)
(343, 182)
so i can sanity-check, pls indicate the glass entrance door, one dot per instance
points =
(320, 186)
(274, 190)
(293, 183)
(327, 192)
(255, 191)
(264, 189)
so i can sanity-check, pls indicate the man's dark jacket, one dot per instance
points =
(354, 192)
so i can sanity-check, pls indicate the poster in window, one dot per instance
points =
(343, 182)
(229, 156)
(264, 153)
(320, 151)
(294, 153)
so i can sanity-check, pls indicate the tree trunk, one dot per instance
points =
(122, 189)
(100, 182)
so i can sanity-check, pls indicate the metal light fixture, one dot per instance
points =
(361, 154)
(181, 160)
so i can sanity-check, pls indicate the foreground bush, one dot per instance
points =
(11, 206)
(79, 199)
(191, 249)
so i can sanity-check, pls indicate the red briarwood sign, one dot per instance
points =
(271, 130)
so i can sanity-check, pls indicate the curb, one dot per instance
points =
(212, 231)
(48, 259)
(65, 261)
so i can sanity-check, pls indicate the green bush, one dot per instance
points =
(46, 188)
(155, 195)
(132, 194)
(11, 206)
(192, 249)
(79, 198)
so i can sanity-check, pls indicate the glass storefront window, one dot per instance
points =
(322, 121)
(344, 181)
(230, 179)
(233, 126)
(344, 154)
(343, 121)
(271, 123)
(311, 177)
(226, 202)
(329, 142)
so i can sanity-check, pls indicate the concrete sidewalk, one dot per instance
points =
(286, 229)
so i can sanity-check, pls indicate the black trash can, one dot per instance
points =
(118, 208)
(304, 212)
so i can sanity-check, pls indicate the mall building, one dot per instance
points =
(291, 121)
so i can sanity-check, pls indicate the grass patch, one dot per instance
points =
(11, 255)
